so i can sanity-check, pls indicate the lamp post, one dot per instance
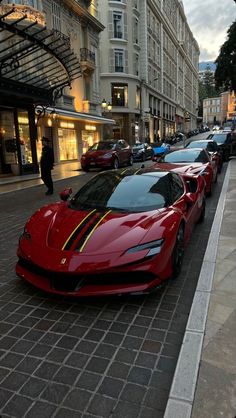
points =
(106, 107)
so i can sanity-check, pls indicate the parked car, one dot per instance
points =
(211, 146)
(195, 161)
(226, 143)
(123, 232)
(160, 149)
(142, 151)
(107, 154)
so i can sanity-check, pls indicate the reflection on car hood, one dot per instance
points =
(181, 167)
(93, 231)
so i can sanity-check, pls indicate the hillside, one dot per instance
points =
(203, 65)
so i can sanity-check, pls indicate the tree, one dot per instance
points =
(206, 88)
(225, 74)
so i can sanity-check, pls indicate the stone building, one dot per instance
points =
(149, 68)
(49, 80)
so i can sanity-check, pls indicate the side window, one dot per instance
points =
(177, 187)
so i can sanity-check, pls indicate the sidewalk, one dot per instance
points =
(60, 171)
(204, 384)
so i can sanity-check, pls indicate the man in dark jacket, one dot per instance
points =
(46, 163)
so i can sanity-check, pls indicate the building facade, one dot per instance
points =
(149, 68)
(220, 110)
(212, 111)
(49, 81)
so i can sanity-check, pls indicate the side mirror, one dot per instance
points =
(65, 194)
(190, 198)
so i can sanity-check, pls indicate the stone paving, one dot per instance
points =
(107, 357)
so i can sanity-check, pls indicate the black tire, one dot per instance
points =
(178, 253)
(115, 164)
(203, 212)
(131, 160)
(85, 168)
(209, 193)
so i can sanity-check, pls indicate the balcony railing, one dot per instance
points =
(87, 61)
(119, 69)
(87, 55)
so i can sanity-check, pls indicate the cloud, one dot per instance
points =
(209, 22)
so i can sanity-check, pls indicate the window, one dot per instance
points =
(136, 64)
(118, 25)
(119, 60)
(177, 187)
(120, 95)
(135, 32)
(56, 16)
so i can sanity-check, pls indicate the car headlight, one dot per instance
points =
(25, 235)
(108, 155)
(154, 247)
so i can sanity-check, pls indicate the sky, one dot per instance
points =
(209, 21)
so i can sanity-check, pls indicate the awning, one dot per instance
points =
(86, 117)
(33, 58)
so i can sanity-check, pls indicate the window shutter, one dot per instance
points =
(111, 61)
(125, 27)
(126, 62)
(110, 25)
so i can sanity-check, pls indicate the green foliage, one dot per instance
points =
(207, 88)
(225, 74)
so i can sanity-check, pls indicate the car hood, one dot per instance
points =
(96, 154)
(182, 168)
(92, 232)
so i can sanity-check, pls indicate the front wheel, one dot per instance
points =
(203, 212)
(115, 163)
(131, 160)
(86, 168)
(178, 253)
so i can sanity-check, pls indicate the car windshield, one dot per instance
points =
(138, 146)
(102, 146)
(124, 193)
(220, 138)
(186, 156)
(210, 146)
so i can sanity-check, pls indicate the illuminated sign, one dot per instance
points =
(90, 128)
(69, 125)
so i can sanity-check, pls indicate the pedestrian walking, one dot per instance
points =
(47, 163)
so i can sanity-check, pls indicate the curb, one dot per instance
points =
(184, 383)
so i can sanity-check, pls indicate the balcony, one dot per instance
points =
(87, 61)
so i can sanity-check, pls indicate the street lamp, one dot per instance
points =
(107, 107)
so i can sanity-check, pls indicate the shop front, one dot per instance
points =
(35, 65)
(17, 148)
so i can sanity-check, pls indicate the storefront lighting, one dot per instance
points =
(49, 122)
(22, 120)
(69, 125)
(90, 128)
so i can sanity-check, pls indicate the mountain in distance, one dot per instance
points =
(204, 64)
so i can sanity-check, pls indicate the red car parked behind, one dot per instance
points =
(107, 154)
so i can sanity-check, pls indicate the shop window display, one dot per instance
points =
(67, 144)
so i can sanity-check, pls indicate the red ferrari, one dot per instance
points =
(193, 161)
(123, 232)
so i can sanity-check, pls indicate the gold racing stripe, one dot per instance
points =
(77, 227)
(95, 227)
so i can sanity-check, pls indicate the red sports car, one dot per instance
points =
(107, 154)
(123, 232)
(194, 161)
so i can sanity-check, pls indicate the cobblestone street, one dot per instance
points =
(107, 357)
